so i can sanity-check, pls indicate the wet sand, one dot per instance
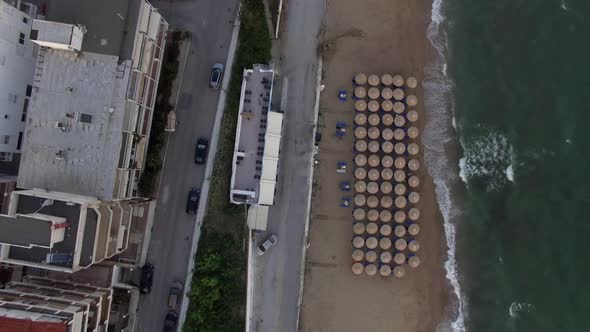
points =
(373, 36)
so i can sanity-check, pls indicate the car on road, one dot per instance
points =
(175, 294)
(147, 278)
(201, 150)
(192, 204)
(267, 244)
(216, 76)
(170, 321)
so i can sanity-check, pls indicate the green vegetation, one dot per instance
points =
(217, 295)
(153, 162)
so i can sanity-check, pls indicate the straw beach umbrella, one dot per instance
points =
(385, 257)
(360, 173)
(371, 256)
(360, 132)
(360, 160)
(372, 242)
(413, 132)
(400, 189)
(358, 255)
(401, 244)
(373, 80)
(360, 105)
(399, 258)
(374, 146)
(359, 214)
(414, 245)
(399, 231)
(387, 147)
(387, 120)
(360, 92)
(360, 78)
(411, 82)
(414, 164)
(414, 214)
(412, 116)
(387, 105)
(413, 149)
(399, 148)
(360, 186)
(399, 175)
(373, 93)
(374, 119)
(358, 228)
(386, 202)
(398, 94)
(373, 160)
(400, 162)
(387, 161)
(399, 216)
(371, 269)
(357, 268)
(360, 200)
(399, 107)
(386, 174)
(413, 181)
(387, 93)
(414, 229)
(399, 271)
(399, 134)
(372, 201)
(411, 100)
(358, 242)
(387, 134)
(385, 216)
(373, 174)
(385, 270)
(385, 229)
(361, 145)
(414, 262)
(414, 197)
(372, 215)
(399, 121)
(360, 119)
(386, 187)
(398, 80)
(374, 133)
(386, 79)
(373, 106)
(385, 243)
(400, 202)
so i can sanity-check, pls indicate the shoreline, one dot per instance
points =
(420, 301)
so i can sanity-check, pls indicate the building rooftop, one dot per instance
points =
(25, 323)
(73, 131)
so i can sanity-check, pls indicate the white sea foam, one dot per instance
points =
(510, 173)
(516, 308)
(437, 135)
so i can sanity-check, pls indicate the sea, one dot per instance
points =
(507, 142)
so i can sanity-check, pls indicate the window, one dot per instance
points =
(20, 141)
(21, 38)
(5, 156)
(5, 139)
(25, 110)
(25, 20)
(34, 34)
(29, 90)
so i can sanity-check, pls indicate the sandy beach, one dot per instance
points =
(372, 36)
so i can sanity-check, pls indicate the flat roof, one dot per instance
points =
(31, 231)
(74, 124)
(28, 324)
(110, 24)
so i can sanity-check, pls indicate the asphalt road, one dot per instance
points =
(210, 23)
(277, 274)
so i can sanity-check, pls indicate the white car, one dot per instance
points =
(267, 244)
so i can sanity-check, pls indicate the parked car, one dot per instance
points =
(201, 150)
(175, 294)
(170, 321)
(192, 204)
(267, 244)
(216, 76)
(147, 278)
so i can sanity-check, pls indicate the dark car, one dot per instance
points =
(192, 204)
(170, 322)
(201, 151)
(216, 76)
(175, 294)
(147, 278)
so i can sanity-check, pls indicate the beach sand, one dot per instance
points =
(372, 36)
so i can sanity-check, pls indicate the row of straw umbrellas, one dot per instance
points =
(396, 81)
(384, 269)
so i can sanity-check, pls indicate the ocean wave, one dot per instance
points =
(516, 308)
(438, 133)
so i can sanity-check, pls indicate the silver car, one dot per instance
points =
(267, 244)
(216, 76)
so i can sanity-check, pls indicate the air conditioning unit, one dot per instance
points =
(60, 125)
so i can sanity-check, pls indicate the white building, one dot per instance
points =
(17, 63)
